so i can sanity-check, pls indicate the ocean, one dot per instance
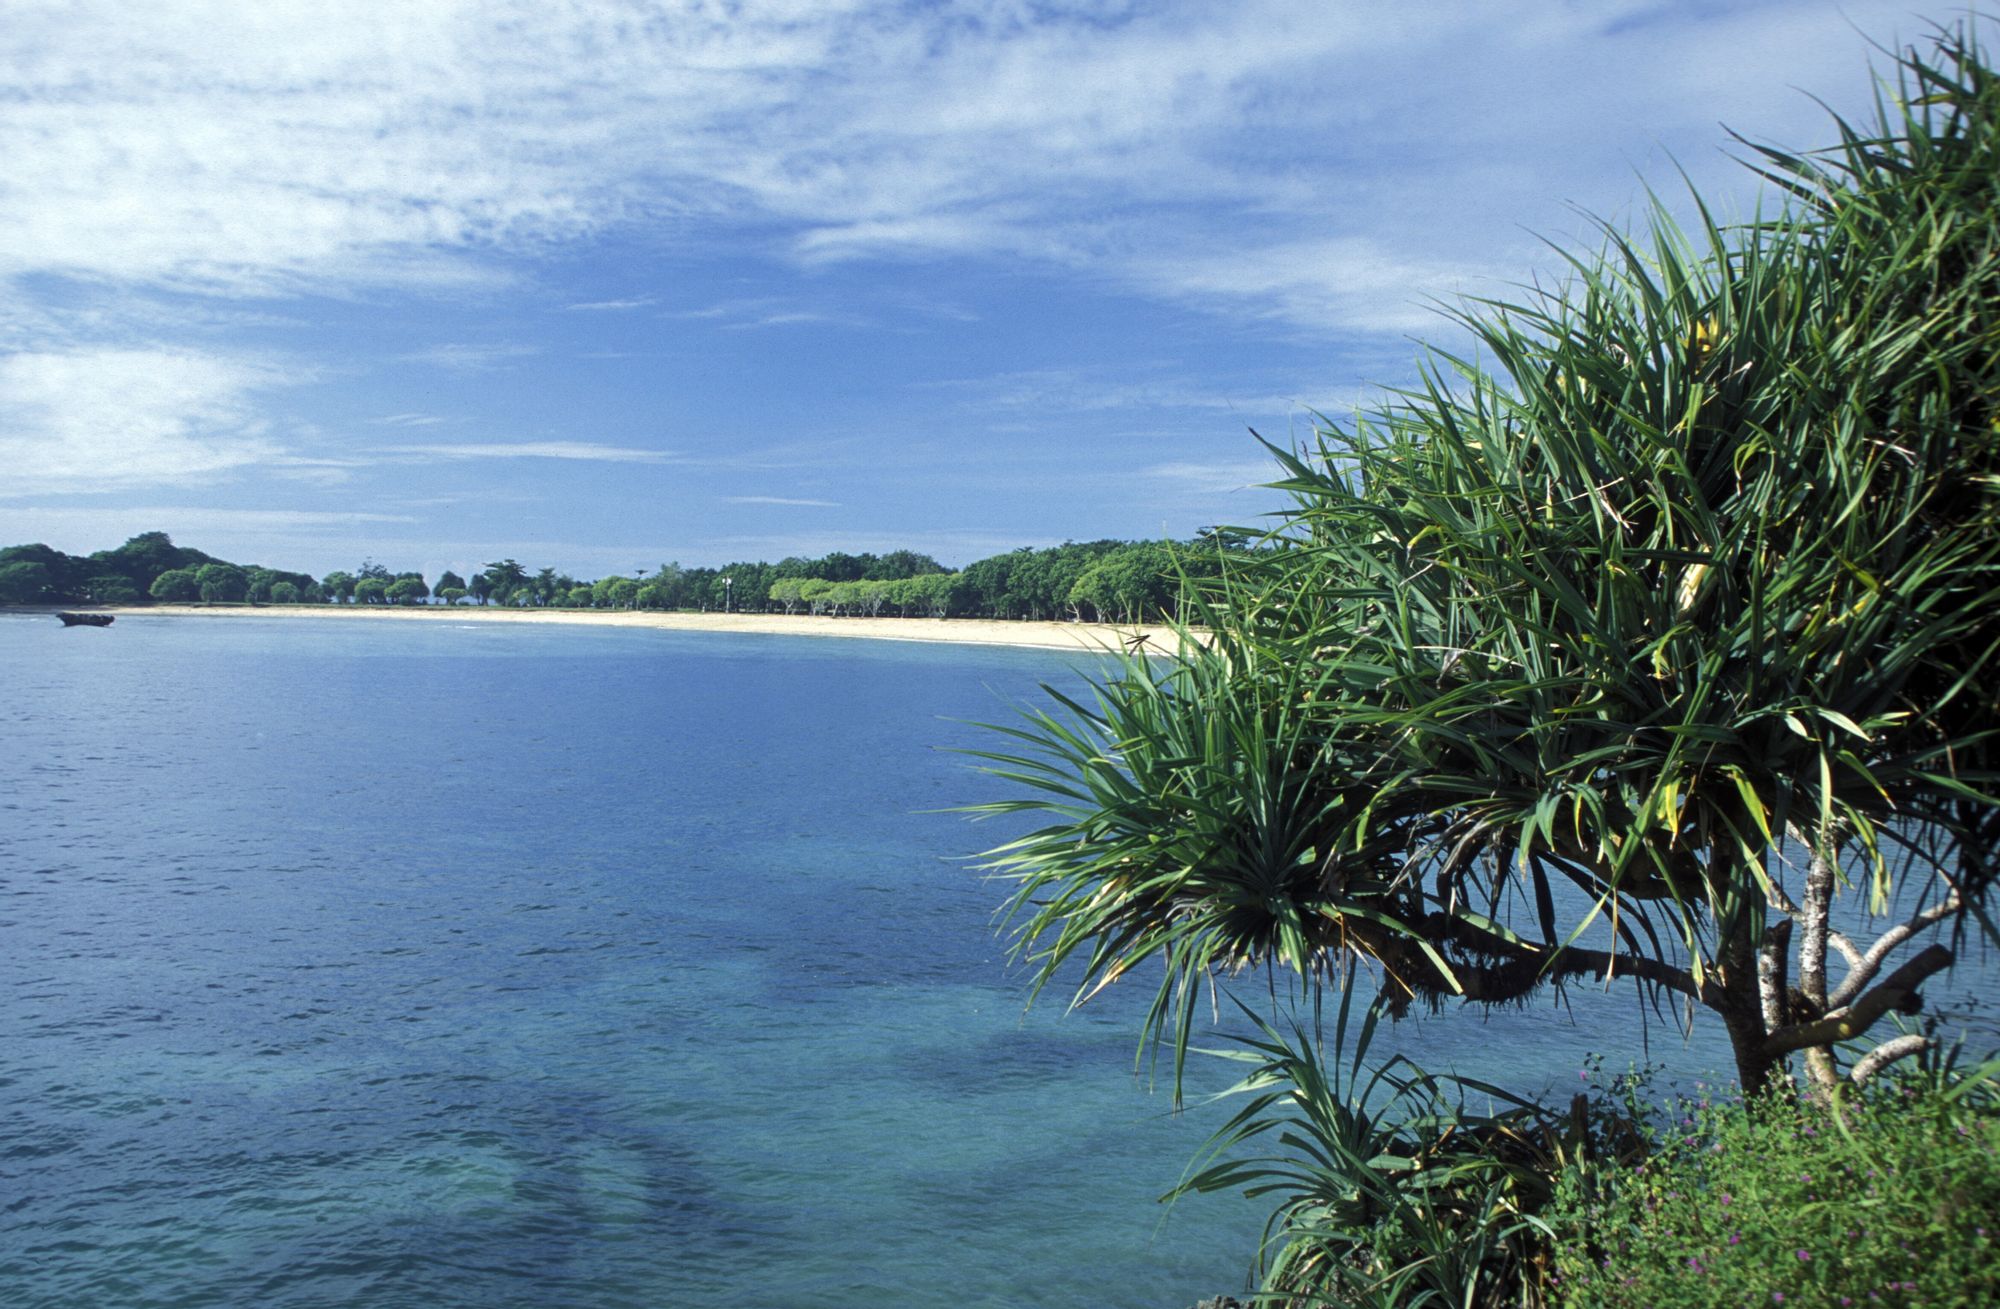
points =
(354, 964)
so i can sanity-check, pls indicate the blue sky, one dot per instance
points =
(598, 285)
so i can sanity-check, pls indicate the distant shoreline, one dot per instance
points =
(1093, 638)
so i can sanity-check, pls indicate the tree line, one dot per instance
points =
(147, 567)
(1098, 581)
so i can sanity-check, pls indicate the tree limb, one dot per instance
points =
(1534, 963)
(1771, 980)
(1814, 927)
(1838, 940)
(1894, 992)
(1891, 1050)
(1870, 963)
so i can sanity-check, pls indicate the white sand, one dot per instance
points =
(969, 631)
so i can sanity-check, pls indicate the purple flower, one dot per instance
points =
(1804, 1257)
(1736, 1238)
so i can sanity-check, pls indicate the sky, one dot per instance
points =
(598, 285)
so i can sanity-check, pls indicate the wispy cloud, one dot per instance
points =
(1058, 391)
(459, 357)
(1236, 475)
(779, 500)
(587, 451)
(770, 311)
(245, 149)
(1317, 169)
(105, 419)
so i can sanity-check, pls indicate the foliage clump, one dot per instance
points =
(1890, 1199)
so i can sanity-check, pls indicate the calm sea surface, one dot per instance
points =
(355, 964)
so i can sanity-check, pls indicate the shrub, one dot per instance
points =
(1892, 1198)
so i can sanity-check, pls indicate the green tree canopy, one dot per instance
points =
(25, 582)
(176, 584)
(407, 590)
(224, 583)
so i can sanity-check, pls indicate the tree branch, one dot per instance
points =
(1891, 1050)
(1894, 992)
(1771, 980)
(1814, 927)
(1530, 964)
(1838, 940)
(1870, 963)
(1605, 963)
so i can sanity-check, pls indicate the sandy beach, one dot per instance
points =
(1092, 637)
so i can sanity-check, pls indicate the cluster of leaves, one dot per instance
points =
(373, 583)
(1889, 1198)
(927, 595)
(1390, 1189)
(743, 586)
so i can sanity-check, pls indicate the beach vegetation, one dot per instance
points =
(408, 589)
(1891, 1201)
(176, 584)
(221, 583)
(25, 582)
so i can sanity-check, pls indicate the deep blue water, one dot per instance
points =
(386, 964)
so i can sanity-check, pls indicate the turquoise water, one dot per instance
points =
(356, 964)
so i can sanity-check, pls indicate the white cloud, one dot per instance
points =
(583, 450)
(409, 420)
(779, 500)
(1349, 283)
(251, 148)
(1217, 477)
(1321, 168)
(463, 358)
(768, 311)
(103, 419)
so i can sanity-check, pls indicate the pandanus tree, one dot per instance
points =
(1658, 643)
